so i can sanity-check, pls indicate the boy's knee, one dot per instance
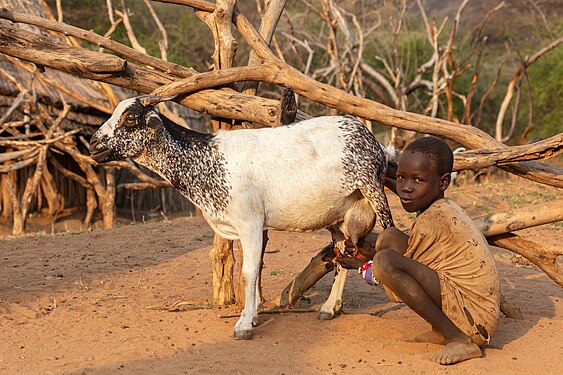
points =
(383, 262)
(389, 239)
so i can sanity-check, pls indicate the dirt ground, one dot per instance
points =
(78, 301)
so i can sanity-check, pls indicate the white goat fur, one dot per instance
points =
(300, 177)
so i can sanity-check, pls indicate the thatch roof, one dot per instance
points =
(89, 103)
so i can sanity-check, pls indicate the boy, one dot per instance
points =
(443, 270)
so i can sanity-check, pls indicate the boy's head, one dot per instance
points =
(423, 173)
(439, 153)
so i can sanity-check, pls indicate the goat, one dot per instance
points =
(325, 172)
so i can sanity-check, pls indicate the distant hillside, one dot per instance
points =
(522, 20)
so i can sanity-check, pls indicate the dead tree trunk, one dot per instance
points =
(222, 252)
(55, 200)
(542, 256)
(222, 263)
(320, 265)
(22, 209)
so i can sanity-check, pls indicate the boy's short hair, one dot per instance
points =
(438, 151)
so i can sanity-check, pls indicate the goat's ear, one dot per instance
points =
(146, 100)
(154, 121)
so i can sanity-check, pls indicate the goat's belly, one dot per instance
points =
(306, 217)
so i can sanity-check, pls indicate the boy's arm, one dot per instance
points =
(391, 238)
(366, 251)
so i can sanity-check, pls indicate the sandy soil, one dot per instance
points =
(94, 302)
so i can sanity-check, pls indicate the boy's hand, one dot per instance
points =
(365, 251)
(349, 262)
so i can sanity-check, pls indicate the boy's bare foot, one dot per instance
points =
(455, 352)
(432, 337)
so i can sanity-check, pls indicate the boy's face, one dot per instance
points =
(418, 182)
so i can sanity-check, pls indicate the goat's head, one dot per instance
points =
(129, 130)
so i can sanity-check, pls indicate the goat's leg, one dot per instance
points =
(259, 294)
(333, 304)
(251, 242)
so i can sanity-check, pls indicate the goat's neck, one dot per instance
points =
(193, 165)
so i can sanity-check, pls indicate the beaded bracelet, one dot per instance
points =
(367, 274)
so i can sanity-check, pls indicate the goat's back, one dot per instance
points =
(305, 175)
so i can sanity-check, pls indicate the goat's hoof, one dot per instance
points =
(323, 315)
(243, 335)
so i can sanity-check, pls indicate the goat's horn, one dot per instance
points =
(146, 100)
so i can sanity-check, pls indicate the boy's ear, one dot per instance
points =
(445, 181)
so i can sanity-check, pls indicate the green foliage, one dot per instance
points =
(517, 200)
(546, 197)
(190, 41)
(87, 14)
(546, 78)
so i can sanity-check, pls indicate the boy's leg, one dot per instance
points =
(419, 288)
(392, 238)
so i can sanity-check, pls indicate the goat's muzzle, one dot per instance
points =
(98, 154)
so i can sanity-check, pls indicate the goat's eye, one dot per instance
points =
(130, 119)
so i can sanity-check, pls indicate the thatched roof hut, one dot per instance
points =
(37, 105)
(90, 102)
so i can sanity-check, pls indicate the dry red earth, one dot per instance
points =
(94, 302)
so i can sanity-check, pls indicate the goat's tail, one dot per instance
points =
(392, 155)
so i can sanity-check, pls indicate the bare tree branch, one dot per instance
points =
(280, 74)
(512, 85)
(483, 158)
(124, 14)
(270, 20)
(163, 43)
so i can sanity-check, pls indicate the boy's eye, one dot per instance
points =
(400, 178)
(419, 180)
